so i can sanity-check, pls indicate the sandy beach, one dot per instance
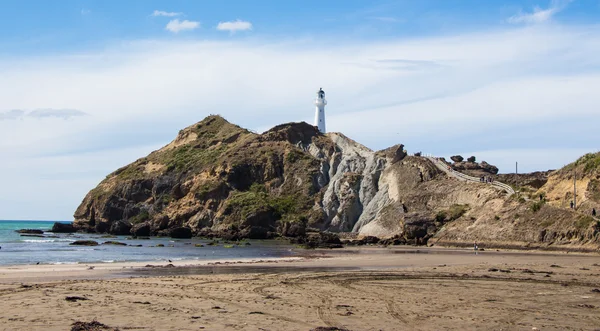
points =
(355, 289)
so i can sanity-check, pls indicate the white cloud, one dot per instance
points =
(16, 114)
(176, 25)
(539, 15)
(234, 26)
(165, 13)
(486, 92)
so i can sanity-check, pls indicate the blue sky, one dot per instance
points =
(89, 86)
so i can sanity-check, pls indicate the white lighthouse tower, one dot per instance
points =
(320, 102)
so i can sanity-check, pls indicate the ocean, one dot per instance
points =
(53, 248)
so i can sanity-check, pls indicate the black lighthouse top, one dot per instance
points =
(321, 93)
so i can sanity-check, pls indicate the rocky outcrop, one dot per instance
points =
(30, 231)
(475, 169)
(63, 228)
(84, 243)
(219, 180)
(456, 158)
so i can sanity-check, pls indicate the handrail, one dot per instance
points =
(459, 175)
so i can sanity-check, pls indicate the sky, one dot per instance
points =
(89, 86)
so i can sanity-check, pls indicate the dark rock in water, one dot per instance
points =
(181, 233)
(84, 243)
(63, 228)
(120, 228)
(160, 245)
(135, 245)
(30, 231)
(294, 229)
(321, 240)
(255, 232)
(140, 230)
(32, 235)
(114, 243)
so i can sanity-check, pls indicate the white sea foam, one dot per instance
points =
(63, 263)
(46, 240)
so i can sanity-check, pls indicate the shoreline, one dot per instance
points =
(353, 257)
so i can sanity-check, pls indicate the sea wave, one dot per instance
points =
(46, 240)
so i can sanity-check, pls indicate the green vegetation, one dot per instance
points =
(584, 221)
(257, 198)
(547, 223)
(294, 155)
(187, 157)
(139, 218)
(536, 206)
(590, 162)
(132, 171)
(594, 189)
(497, 218)
(453, 213)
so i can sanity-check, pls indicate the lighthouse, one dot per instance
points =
(320, 102)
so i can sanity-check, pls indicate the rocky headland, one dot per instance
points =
(218, 179)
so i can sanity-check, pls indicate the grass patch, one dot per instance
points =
(453, 213)
(590, 163)
(594, 189)
(536, 206)
(139, 218)
(584, 222)
(547, 223)
(257, 198)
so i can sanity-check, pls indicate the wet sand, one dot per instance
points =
(356, 289)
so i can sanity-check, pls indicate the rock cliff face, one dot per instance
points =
(218, 179)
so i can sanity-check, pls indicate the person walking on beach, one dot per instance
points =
(572, 204)
(594, 212)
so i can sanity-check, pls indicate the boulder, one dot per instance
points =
(419, 227)
(84, 243)
(396, 240)
(294, 228)
(395, 153)
(322, 240)
(141, 230)
(30, 231)
(255, 232)
(63, 228)
(456, 158)
(114, 243)
(492, 169)
(180, 233)
(120, 228)
(472, 159)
